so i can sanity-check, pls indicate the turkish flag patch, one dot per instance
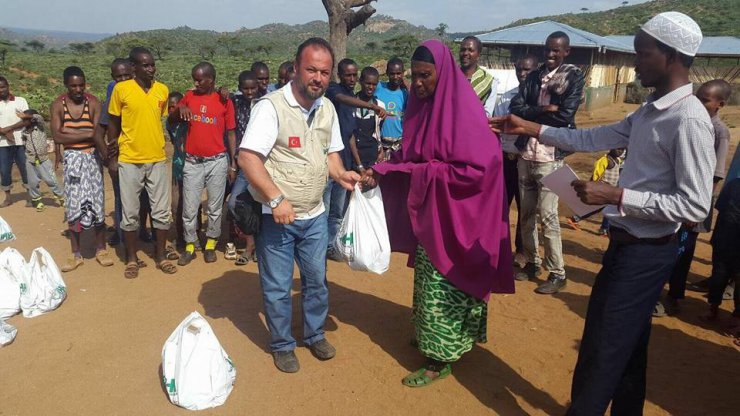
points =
(294, 141)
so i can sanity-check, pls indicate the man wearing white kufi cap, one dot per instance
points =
(666, 181)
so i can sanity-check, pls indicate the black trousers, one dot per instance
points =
(686, 248)
(612, 359)
(511, 180)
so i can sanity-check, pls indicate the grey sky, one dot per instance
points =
(107, 16)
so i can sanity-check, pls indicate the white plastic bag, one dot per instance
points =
(363, 236)
(197, 372)
(6, 233)
(13, 277)
(45, 289)
(7, 333)
(10, 295)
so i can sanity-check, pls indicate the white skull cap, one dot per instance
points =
(675, 30)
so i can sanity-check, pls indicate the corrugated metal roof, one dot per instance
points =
(710, 45)
(536, 34)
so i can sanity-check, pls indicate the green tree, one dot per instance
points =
(230, 43)
(372, 45)
(160, 44)
(36, 45)
(84, 48)
(402, 45)
(207, 51)
(5, 46)
(442, 30)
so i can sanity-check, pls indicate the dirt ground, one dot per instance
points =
(100, 352)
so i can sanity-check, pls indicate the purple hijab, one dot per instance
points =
(445, 189)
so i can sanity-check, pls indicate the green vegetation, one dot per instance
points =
(38, 76)
(716, 17)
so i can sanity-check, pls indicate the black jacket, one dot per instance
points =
(566, 93)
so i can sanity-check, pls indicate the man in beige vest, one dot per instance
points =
(289, 148)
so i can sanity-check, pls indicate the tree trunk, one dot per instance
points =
(342, 20)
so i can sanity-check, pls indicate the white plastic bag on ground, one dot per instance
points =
(7, 333)
(45, 289)
(6, 233)
(363, 236)
(10, 295)
(13, 276)
(197, 372)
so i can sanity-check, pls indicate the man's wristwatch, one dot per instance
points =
(273, 203)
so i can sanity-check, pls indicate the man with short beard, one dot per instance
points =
(290, 147)
(666, 181)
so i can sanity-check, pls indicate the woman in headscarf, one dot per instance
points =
(445, 205)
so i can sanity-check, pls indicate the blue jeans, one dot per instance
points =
(612, 359)
(8, 156)
(277, 246)
(336, 202)
(237, 188)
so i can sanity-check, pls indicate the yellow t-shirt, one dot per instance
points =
(142, 136)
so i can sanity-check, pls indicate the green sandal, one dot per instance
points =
(419, 379)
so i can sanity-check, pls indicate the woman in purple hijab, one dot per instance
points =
(446, 207)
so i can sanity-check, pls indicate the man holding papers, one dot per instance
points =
(666, 181)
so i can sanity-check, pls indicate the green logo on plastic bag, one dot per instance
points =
(171, 388)
(24, 288)
(348, 239)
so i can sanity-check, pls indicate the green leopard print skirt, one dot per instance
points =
(448, 321)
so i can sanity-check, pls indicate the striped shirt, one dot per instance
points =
(485, 86)
(84, 121)
(667, 178)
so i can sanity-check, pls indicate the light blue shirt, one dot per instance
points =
(395, 106)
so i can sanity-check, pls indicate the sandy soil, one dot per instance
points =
(99, 353)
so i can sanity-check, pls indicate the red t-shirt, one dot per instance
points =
(211, 118)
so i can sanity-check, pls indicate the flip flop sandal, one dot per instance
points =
(242, 260)
(131, 271)
(167, 267)
(419, 379)
(171, 254)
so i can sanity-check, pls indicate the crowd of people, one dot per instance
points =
(441, 147)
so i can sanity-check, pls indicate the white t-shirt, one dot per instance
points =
(262, 132)
(8, 118)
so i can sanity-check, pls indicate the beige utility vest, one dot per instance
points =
(298, 161)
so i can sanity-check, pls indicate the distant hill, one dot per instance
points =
(270, 37)
(50, 38)
(716, 17)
